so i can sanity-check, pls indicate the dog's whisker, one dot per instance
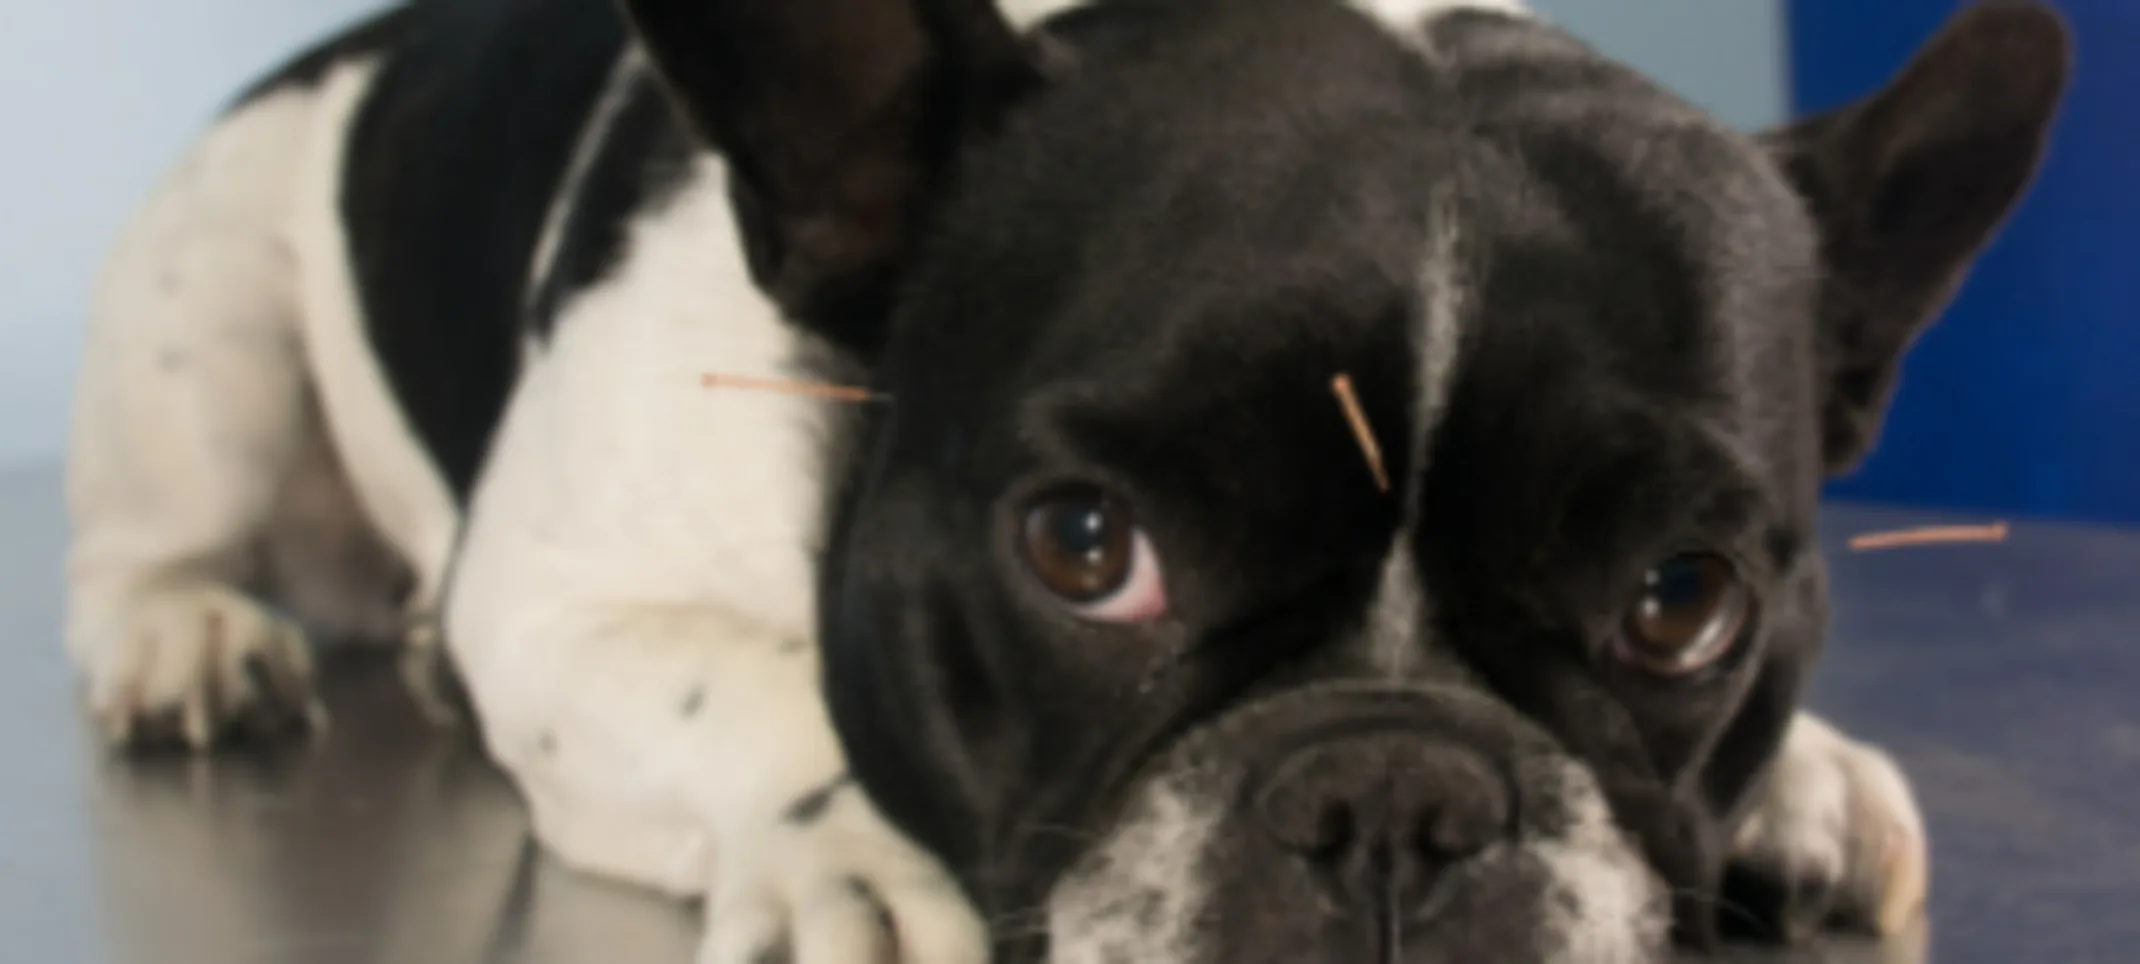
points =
(1018, 923)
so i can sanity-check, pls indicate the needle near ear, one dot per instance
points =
(1930, 535)
(837, 393)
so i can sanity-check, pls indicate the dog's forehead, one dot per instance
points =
(1282, 190)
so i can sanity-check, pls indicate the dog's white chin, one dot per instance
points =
(1607, 906)
(1144, 893)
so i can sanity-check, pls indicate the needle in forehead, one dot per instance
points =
(1362, 432)
(1441, 303)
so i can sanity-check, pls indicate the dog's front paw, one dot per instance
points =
(1834, 840)
(192, 664)
(832, 883)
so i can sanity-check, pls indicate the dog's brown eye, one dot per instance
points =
(1079, 546)
(1687, 616)
(1086, 549)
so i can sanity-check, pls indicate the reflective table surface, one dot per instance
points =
(2006, 678)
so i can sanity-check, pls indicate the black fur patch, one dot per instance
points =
(809, 808)
(644, 154)
(453, 164)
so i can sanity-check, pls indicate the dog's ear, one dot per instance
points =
(1907, 187)
(838, 119)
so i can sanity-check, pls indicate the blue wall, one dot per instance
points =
(99, 97)
(2026, 397)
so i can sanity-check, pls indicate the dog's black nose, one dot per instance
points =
(1379, 816)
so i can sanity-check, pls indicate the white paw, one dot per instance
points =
(831, 883)
(1837, 837)
(196, 663)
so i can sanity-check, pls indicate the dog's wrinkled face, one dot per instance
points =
(1117, 618)
(1194, 687)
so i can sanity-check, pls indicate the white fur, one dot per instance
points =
(1023, 14)
(634, 603)
(1400, 606)
(1410, 13)
(1398, 614)
(1611, 908)
(1839, 814)
(1441, 335)
(1146, 873)
(1406, 19)
(1402, 13)
(191, 417)
(624, 499)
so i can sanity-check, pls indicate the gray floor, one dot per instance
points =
(2005, 677)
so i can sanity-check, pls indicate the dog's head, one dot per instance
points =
(1119, 619)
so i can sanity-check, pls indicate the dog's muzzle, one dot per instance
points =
(1360, 825)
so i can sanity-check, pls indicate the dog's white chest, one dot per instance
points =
(624, 478)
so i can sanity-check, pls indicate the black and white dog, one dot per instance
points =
(1091, 636)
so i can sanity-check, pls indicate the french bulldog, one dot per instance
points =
(1157, 481)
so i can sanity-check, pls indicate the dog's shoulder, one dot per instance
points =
(452, 168)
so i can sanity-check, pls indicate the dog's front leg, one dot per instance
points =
(676, 748)
(1833, 837)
